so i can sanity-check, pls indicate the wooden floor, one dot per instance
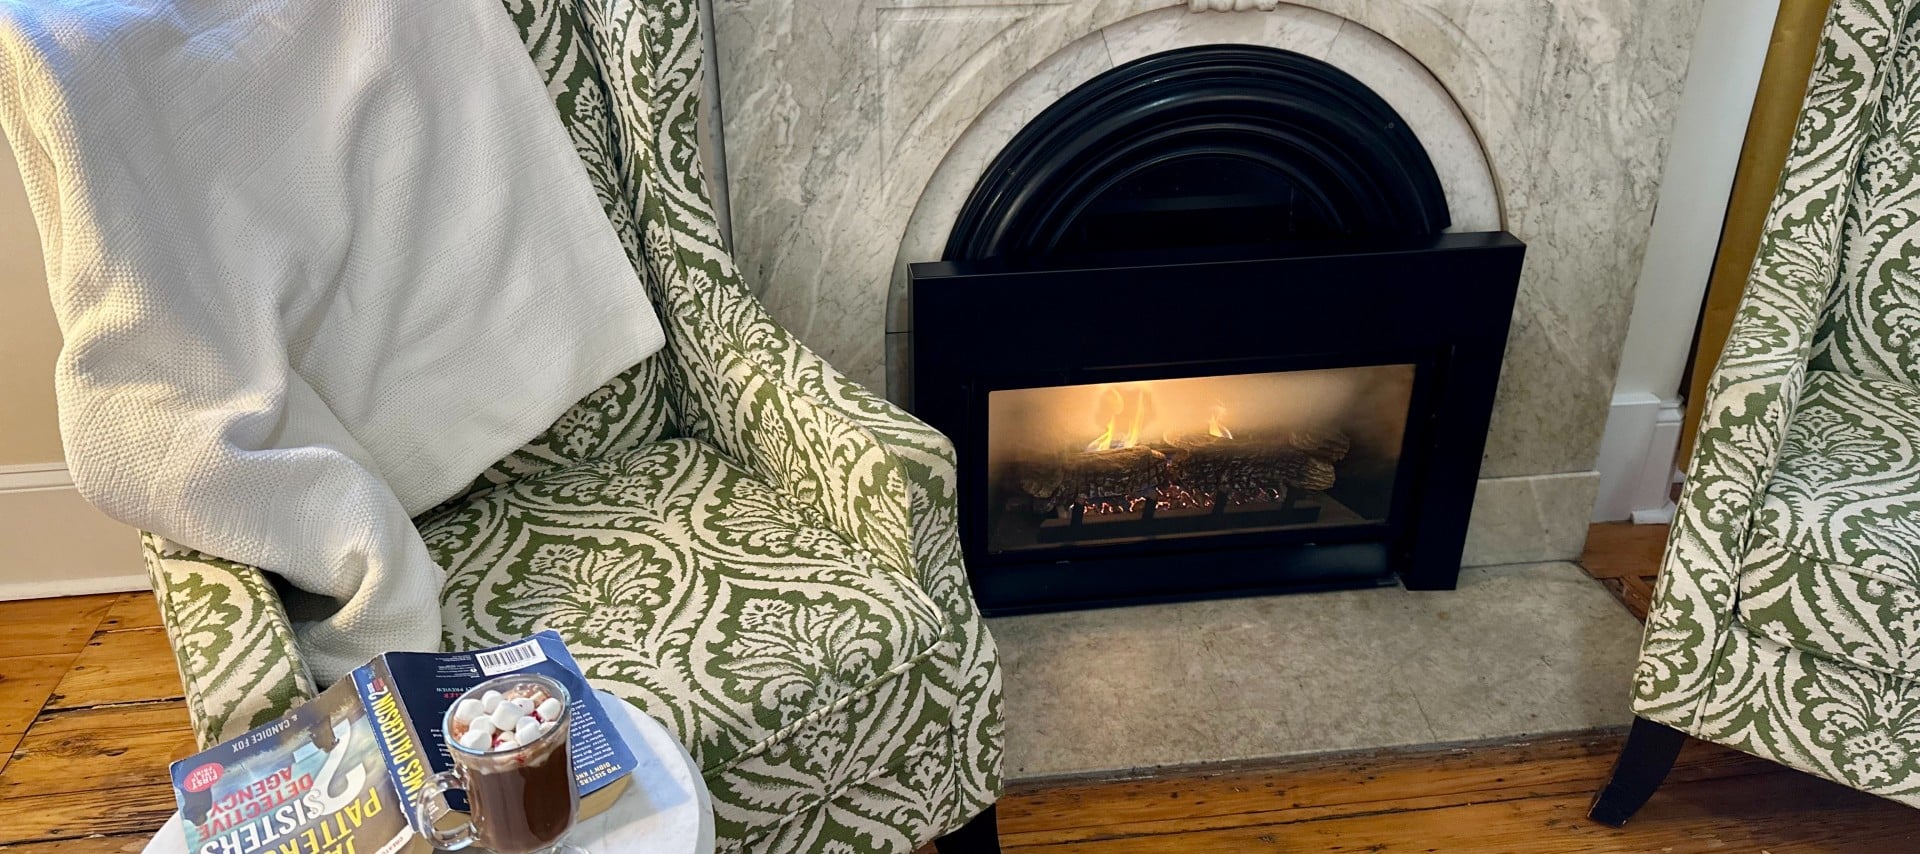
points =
(90, 716)
(1624, 557)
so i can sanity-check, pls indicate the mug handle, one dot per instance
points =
(428, 809)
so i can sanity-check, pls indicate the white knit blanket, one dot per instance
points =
(318, 264)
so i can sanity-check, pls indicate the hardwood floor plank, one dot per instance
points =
(136, 610)
(138, 810)
(1616, 549)
(51, 626)
(129, 844)
(25, 683)
(130, 666)
(1326, 787)
(1637, 594)
(1775, 812)
(93, 771)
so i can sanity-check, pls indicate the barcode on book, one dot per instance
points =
(510, 658)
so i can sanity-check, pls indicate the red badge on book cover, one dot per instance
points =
(202, 778)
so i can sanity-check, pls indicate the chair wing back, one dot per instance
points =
(596, 60)
(1870, 325)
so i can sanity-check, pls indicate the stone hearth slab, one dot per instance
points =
(1515, 651)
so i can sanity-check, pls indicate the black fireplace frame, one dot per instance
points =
(1441, 302)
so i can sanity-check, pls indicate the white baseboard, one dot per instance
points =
(1637, 459)
(13, 590)
(1659, 516)
(53, 543)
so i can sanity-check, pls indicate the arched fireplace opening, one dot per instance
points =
(1204, 146)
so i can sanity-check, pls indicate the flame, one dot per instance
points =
(1139, 415)
(1107, 402)
(1215, 428)
(1113, 407)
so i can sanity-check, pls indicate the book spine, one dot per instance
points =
(400, 742)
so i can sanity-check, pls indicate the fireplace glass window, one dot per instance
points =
(1101, 464)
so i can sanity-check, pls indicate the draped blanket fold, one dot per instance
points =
(318, 264)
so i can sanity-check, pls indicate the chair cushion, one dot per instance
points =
(687, 587)
(1833, 565)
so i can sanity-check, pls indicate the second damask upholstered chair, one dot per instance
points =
(731, 536)
(1786, 621)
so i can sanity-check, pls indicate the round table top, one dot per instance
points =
(666, 808)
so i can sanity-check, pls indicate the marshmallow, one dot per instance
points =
(546, 727)
(506, 744)
(491, 701)
(483, 725)
(525, 703)
(549, 710)
(527, 731)
(466, 710)
(476, 740)
(507, 716)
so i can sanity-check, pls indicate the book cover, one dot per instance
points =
(312, 782)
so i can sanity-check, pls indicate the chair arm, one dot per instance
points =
(923, 457)
(231, 638)
(811, 450)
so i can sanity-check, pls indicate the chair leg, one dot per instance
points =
(1643, 764)
(981, 835)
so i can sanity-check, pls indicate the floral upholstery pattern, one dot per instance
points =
(1833, 566)
(1781, 623)
(732, 535)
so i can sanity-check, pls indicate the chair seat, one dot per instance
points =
(689, 588)
(1833, 562)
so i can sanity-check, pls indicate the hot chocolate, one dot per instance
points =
(523, 808)
(508, 739)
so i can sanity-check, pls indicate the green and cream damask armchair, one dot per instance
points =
(1786, 621)
(731, 536)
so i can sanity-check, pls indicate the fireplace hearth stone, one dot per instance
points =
(1516, 651)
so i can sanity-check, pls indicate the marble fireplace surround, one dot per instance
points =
(853, 131)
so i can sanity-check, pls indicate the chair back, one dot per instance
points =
(1870, 323)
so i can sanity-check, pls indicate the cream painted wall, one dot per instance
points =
(29, 340)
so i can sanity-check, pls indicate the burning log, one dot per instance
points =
(1329, 445)
(1122, 472)
(1238, 470)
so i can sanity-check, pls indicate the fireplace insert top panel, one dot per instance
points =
(1204, 146)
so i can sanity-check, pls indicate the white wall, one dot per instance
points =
(1643, 428)
(51, 542)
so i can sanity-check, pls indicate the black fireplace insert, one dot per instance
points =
(1199, 332)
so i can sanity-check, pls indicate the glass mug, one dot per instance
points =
(522, 798)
